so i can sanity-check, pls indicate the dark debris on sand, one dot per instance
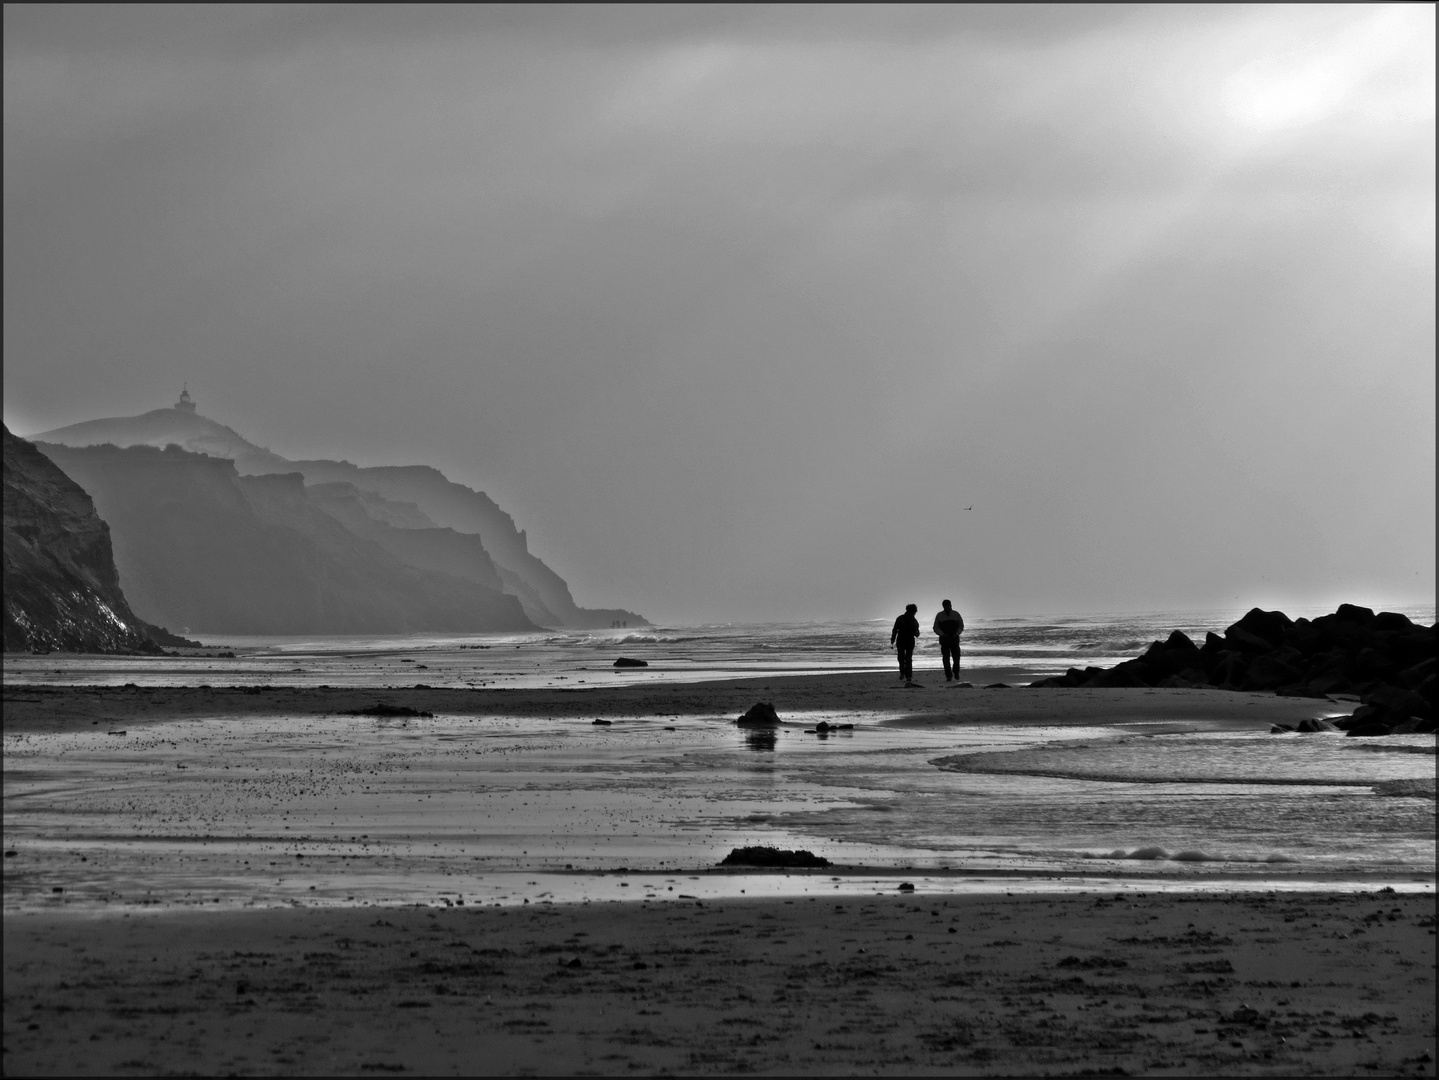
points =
(771, 856)
(381, 708)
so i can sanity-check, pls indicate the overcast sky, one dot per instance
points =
(738, 310)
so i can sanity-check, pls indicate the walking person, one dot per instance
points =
(903, 637)
(949, 624)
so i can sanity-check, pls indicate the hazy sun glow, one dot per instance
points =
(1346, 70)
(1267, 100)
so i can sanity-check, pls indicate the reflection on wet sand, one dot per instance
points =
(343, 809)
(761, 740)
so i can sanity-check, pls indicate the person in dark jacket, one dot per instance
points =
(903, 637)
(949, 624)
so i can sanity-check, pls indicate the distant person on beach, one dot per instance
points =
(949, 624)
(903, 636)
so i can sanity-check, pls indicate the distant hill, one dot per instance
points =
(545, 594)
(408, 497)
(200, 546)
(165, 427)
(62, 591)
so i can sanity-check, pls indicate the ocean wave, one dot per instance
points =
(1159, 854)
(605, 641)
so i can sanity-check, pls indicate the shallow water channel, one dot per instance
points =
(341, 809)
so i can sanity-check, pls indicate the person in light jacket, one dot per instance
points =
(949, 624)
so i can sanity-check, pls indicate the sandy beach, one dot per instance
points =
(41, 708)
(535, 893)
(1297, 984)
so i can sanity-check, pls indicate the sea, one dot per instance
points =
(510, 809)
(1019, 649)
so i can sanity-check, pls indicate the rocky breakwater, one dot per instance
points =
(1383, 661)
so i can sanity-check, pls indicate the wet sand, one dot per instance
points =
(864, 978)
(61, 708)
(177, 797)
(906, 983)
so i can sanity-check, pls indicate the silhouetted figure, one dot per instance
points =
(949, 624)
(903, 636)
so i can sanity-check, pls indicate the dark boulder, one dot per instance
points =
(1314, 725)
(1412, 677)
(1371, 663)
(628, 661)
(1413, 646)
(1348, 627)
(1416, 725)
(1429, 691)
(1125, 675)
(1393, 621)
(1330, 683)
(1240, 639)
(1268, 627)
(1172, 656)
(1370, 730)
(760, 715)
(1229, 669)
(1304, 636)
(1354, 613)
(1384, 658)
(1272, 670)
(1362, 715)
(1398, 700)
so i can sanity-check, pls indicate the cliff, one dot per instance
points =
(200, 546)
(426, 547)
(62, 590)
(414, 497)
(545, 594)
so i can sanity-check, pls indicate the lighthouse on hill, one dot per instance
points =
(185, 404)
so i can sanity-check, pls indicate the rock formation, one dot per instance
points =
(1383, 659)
(760, 715)
(544, 593)
(200, 546)
(62, 591)
(427, 547)
(403, 497)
